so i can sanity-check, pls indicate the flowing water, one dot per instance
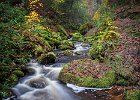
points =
(42, 83)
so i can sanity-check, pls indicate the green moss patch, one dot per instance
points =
(88, 73)
(47, 58)
(132, 95)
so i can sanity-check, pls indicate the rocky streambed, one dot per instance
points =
(46, 82)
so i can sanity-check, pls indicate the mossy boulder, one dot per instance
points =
(47, 58)
(88, 73)
(132, 95)
(18, 73)
(68, 52)
(66, 44)
(77, 37)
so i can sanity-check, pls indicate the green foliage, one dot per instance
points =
(64, 47)
(132, 94)
(122, 82)
(103, 17)
(11, 14)
(64, 34)
(66, 44)
(101, 48)
(107, 38)
(97, 51)
(106, 81)
(11, 40)
(132, 31)
(38, 50)
(18, 73)
(125, 74)
(77, 37)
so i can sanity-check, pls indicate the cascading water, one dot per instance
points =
(80, 47)
(42, 83)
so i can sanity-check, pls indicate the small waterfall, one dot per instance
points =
(80, 47)
(42, 85)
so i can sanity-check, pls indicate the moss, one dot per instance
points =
(68, 42)
(78, 53)
(107, 80)
(68, 52)
(68, 77)
(122, 82)
(13, 78)
(88, 81)
(77, 37)
(64, 47)
(18, 73)
(47, 58)
(97, 51)
(132, 94)
(38, 50)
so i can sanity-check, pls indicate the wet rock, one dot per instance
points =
(30, 70)
(47, 58)
(37, 83)
(20, 89)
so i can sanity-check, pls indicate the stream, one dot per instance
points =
(42, 83)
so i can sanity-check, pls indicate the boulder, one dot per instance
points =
(47, 58)
(87, 73)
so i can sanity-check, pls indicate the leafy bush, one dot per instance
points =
(107, 38)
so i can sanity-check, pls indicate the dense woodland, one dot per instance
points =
(35, 28)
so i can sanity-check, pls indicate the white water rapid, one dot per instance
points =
(42, 85)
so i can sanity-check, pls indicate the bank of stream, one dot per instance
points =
(41, 83)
